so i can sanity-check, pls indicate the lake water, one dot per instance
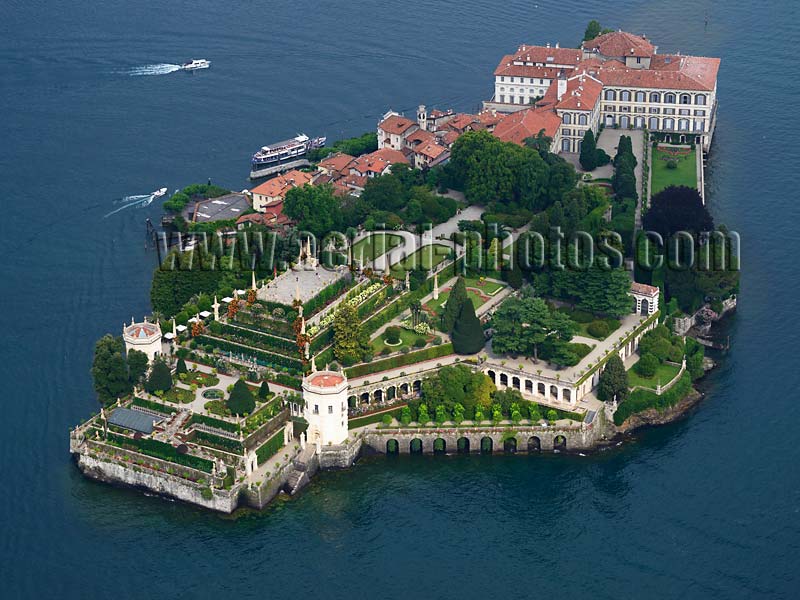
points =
(707, 507)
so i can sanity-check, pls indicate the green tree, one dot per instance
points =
(315, 209)
(456, 299)
(109, 369)
(241, 399)
(180, 369)
(647, 365)
(160, 378)
(588, 157)
(263, 390)
(522, 325)
(385, 193)
(350, 343)
(137, 366)
(593, 29)
(613, 384)
(467, 333)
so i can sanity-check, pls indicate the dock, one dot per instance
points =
(274, 170)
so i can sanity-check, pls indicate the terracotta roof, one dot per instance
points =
(523, 124)
(420, 136)
(545, 55)
(377, 162)
(325, 379)
(694, 73)
(621, 43)
(274, 216)
(583, 92)
(336, 162)
(509, 69)
(141, 331)
(644, 289)
(396, 124)
(449, 137)
(278, 186)
(431, 150)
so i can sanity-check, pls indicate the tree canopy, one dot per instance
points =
(467, 333)
(613, 382)
(522, 325)
(458, 384)
(160, 378)
(677, 208)
(137, 365)
(315, 209)
(110, 370)
(241, 399)
(350, 343)
(452, 308)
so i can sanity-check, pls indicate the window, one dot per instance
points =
(669, 111)
(655, 97)
(567, 131)
(625, 96)
(567, 119)
(531, 79)
(638, 60)
(565, 145)
(700, 99)
(502, 78)
(640, 96)
(669, 98)
(330, 409)
(699, 113)
(512, 80)
(669, 123)
(502, 99)
(316, 409)
(582, 120)
(686, 99)
(653, 123)
(502, 89)
(611, 95)
(684, 111)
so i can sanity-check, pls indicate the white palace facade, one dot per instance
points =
(617, 79)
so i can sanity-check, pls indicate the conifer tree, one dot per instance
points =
(467, 334)
(613, 380)
(241, 400)
(181, 367)
(588, 155)
(160, 378)
(458, 295)
(263, 391)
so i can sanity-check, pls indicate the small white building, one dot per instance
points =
(144, 337)
(646, 297)
(325, 399)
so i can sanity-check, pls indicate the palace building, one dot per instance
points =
(617, 79)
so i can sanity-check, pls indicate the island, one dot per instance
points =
(541, 276)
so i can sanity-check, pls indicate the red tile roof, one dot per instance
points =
(336, 162)
(695, 73)
(278, 186)
(644, 289)
(325, 379)
(545, 55)
(378, 161)
(583, 92)
(396, 124)
(526, 123)
(621, 43)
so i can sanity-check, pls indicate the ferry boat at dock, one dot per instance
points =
(282, 156)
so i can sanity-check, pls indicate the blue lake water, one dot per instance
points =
(708, 507)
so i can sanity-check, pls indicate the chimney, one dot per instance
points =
(562, 87)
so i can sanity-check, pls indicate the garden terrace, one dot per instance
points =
(426, 258)
(685, 172)
(309, 283)
(375, 245)
(641, 399)
(664, 374)
(589, 325)
(245, 352)
(399, 361)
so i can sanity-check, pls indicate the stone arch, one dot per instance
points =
(492, 375)
(391, 392)
(559, 443)
(686, 99)
(700, 99)
(352, 401)
(541, 389)
(417, 385)
(583, 119)
(655, 97)
(486, 445)
(611, 95)
(609, 120)
(377, 395)
(439, 446)
(566, 395)
(567, 119)
(510, 445)
(534, 444)
(462, 445)
(504, 379)
(365, 398)
(528, 386)
(645, 310)
(669, 98)
(624, 121)
(554, 392)
(625, 96)
(515, 383)
(404, 388)
(415, 446)
(392, 446)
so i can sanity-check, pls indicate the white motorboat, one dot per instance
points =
(158, 193)
(197, 63)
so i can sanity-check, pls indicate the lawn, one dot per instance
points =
(427, 257)
(685, 174)
(582, 319)
(407, 339)
(376, 245)
(489, 288)
(438, 305)
(664, 374)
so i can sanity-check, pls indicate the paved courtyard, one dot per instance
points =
(309, 282)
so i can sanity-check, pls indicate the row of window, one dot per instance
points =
(517, 100)
(540, 92)
(654, 123)
(655, 97)
(654, 110)
(330, 408)
(581, 120)
(522, 80)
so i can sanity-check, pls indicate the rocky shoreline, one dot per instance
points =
(653, 417)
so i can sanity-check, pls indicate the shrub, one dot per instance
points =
(420, 343)
(387, 419)
(552, 415)
(647, 365)
(598, 329)
(393, 335)
(241, 399)
(582, 316)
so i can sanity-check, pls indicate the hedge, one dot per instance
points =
(212, 422)
(326, 296)
(270, 447)
(400, 361)
(160, 450)
(216, 441)
(268, 340)
(640, 399)
(156, 406)
(375, 418)
(262, 357)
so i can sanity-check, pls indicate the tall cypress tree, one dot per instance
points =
(160, 378)
(613, 380)
(588, 156)
(241, 400)
(467, 334)
(458, 295)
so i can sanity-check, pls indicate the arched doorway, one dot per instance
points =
(391, 393)
(377, 395)
(534, 444)
(492, 375)
(352, 401)
(365, 398)
(404, 389)
(515, 382)
(510, 445)
(486, 445)
(540, 389)
(417, 385)
(439, 446)
(462, 445)
(528, 386)
(554, 392)
(559, 443)
(392, 447)
(645, 307)
(504, 379)
(415, 447)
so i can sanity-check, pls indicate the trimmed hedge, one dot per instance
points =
(326, 296)
(215, 441)
(160, 450)
(212, 422)
(156, 406)
(266, 340)
(640, 400)
(270, 447)
(263, 357)
(285, 380)
(400, 361)
(369, 419)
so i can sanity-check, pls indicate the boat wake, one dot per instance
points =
(159, 69)
(135, 201)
